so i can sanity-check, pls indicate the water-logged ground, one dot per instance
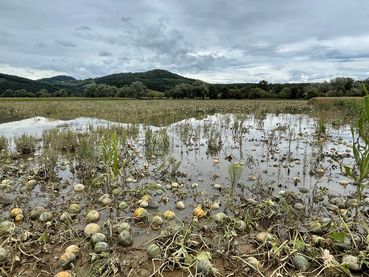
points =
(284, 152)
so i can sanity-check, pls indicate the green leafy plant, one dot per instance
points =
(110, 147)
(359, 173)
(234, 172)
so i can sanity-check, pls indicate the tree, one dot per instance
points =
(199, 90)
(138, 89)
(264, 85)
(285, 93)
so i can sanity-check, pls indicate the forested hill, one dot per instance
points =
(161, 83)
(157, 79)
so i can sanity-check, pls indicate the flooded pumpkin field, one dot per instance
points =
(217, 195)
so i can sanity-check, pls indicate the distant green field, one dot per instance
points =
(155, 112)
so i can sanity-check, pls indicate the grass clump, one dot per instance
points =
(25, 144)
(3, 144)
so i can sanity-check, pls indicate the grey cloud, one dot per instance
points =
(239, 40)
(83, 28)
(104, 54)
(65, 43)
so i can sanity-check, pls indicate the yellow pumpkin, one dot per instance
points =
(169, 215)
(140, 213)
(63, 274)
(199, 212)
(15, 211)
(19, 218)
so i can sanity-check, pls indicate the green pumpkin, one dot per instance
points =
(125, 238)
(120, 227)
(36, 212)
(6, 227)
(98, 237)
(300, 263)
(101, 247)
(153, 251)
(3, 255)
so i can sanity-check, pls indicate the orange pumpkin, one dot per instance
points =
(199, 212)
(63, 274)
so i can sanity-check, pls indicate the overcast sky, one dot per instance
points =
(215, 40)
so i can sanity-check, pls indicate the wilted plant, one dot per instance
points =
(25, 144)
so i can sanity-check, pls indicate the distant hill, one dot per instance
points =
(157, 79)
(57, 79)
(17, 83)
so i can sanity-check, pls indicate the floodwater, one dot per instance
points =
(275, 150)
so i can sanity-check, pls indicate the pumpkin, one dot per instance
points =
(102, 197)
(220, 218)
(125, 238)
(98, 237)
(240, 225)
(300, 263)
(92, 216)
(141, 213)
(169, 215)
(180, 205)
(65, 217)
(106, 201)
(264, 236)
(123, 205)
(199, 212)
(73, 249)
(101, 247)
(79, 188)
(46, 216)
(91, 229)
(66, 259)
(157, 220)
(74, 209)
(214, 206)
(36, 212)
(6, 227)
(15, 211)
(120, 227)
(63, 274)
(18, 218)
(253, 261)
(3, 254)
(203, 264)
(153, 251)
(144, 203)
